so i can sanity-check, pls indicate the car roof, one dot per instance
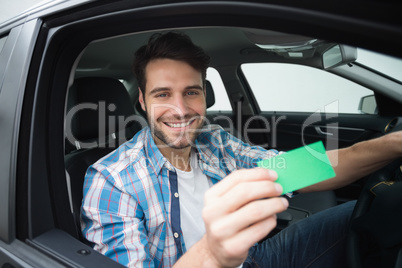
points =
(39, 10)
(225, 45)
(384, 12)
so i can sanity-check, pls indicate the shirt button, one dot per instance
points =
(176, 235)
(176, 195)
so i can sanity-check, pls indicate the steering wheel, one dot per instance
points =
(375, 234)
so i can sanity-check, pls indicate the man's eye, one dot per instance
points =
(162, 95)
(192, 93)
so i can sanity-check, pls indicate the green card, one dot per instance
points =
(300, 167)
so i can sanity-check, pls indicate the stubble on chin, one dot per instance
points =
(183, 140)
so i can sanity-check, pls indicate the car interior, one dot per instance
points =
(84, 104)
(103, 78)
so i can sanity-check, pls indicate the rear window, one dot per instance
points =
(222, 102)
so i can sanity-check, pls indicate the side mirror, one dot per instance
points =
(368, 105)
(338, 55)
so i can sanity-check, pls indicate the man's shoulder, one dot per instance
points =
(220, 142)
(125, 155)
(212, 131)
(215, 136)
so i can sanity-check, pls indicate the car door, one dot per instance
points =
(16, 48)
(36, 223)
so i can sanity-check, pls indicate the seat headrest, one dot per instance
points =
(210, 94)
(99, 104)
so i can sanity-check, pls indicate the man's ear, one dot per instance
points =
(141, 100)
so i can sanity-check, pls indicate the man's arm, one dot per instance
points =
(238, 212)
(359, 160)
(112, 222)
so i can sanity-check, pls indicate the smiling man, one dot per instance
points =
(175, 104)
(144, 203)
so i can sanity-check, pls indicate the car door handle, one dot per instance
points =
(319, 131)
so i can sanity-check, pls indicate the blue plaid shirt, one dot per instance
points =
(130, 211)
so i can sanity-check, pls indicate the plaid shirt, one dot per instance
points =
(130, 210)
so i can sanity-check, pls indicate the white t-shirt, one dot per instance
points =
(192, 186)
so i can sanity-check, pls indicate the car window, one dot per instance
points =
(297, 88)
(222, 102)
(385, 64)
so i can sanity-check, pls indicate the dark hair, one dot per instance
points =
(171, 45)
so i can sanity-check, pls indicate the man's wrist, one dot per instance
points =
(393, 144)
(199, 255)
(208, 257)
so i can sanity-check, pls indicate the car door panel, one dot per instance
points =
(290, 130)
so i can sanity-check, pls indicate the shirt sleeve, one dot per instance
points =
(113, 220)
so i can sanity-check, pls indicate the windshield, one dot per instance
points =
(387, 65)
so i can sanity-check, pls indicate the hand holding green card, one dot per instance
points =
(300, 167)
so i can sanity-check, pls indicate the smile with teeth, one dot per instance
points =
(179, 125)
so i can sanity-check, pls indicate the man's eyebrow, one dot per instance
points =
(159, 89)
(195, 87)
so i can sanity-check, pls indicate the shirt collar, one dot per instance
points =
(209, 151)
(154, 155)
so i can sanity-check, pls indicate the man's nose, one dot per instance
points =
(181, 106)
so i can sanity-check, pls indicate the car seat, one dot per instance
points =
(100, 117)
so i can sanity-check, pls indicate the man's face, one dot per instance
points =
(174, 101)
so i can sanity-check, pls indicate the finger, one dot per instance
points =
(247, 192)
(240, 195)
(238, 176)
(246, 216)
(245, 239)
